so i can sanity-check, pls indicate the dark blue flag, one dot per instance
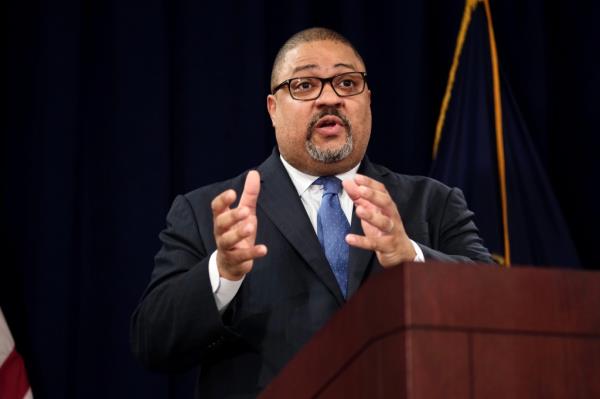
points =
(483, 147)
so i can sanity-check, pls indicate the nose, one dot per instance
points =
(328, 96)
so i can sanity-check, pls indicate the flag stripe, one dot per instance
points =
(6, 341)
(13, 380)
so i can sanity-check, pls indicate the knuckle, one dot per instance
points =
(218, 220)
(388, 200)
(214, 204)
(241, 256)
(222, 243)
(390, 226)
(229, 239)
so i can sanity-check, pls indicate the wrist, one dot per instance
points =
(226, 271)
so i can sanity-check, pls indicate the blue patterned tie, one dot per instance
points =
(332, 227)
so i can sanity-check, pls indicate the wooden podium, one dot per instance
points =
(456, 331)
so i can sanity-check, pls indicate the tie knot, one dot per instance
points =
(331, 184)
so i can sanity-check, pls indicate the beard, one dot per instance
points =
(333, 154)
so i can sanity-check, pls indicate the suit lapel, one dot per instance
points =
(359, 258)
(279, 200)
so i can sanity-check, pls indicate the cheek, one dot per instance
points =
(294, 125)
(290, 133)
(362, 129)
(363, 122)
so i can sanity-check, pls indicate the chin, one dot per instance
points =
(329, 154)
(320, 168)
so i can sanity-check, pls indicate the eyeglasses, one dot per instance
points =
(310, 87)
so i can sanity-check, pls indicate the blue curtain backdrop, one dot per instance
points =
(114, 107)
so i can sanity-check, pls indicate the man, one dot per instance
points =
(252, 267)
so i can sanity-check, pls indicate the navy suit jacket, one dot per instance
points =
(289, 294)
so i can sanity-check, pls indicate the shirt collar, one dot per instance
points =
(302, 181)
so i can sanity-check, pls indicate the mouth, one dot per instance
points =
(329, 125)
(329, 136)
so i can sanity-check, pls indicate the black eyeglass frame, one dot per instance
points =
(323, 82)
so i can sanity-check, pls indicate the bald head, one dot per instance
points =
(306, 36)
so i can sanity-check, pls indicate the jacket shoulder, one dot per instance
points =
(205, 194)
(413, 183)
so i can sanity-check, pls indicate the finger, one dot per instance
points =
(367, 186)
(233, 236)
(251, 190)
(382, 245)
(226, 220)
(222, 202)
(381, 199)
(361, 242)
(376, 219)
(363, 180)
(240, 255)
(365, 203)
(352, 189)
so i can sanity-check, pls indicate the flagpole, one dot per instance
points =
(499, 132)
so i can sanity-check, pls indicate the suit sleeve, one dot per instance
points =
(177, 325)
(456, 237)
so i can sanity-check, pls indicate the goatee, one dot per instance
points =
(334, 154)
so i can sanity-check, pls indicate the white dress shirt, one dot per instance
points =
(224, 290)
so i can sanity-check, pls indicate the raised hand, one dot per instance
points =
(380, 220)
(235, 230)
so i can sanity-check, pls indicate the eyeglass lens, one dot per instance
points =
(347, 84)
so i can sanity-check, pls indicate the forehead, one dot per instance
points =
(319, 58)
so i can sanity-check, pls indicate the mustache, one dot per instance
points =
(324, 112)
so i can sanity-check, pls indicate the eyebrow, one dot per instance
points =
(314, 66)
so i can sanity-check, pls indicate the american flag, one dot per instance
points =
(13, 378)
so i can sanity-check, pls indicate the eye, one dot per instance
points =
(347, 83)
(302, 85)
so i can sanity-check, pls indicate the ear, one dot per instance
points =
(271, 107)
